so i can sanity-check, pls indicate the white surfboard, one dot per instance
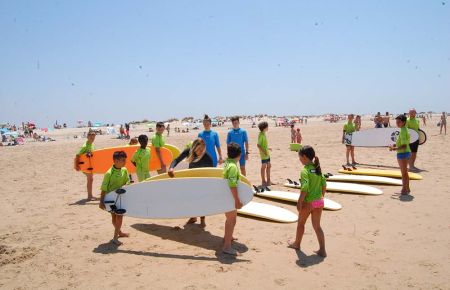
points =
(269, 212)
(177, 198)
(365, 179)
(342, 187)
(293, 197)
(377, 137)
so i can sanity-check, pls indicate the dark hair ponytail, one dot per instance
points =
(309, 152)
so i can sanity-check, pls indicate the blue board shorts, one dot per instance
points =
(403, 156)
(265, 161)
(242, 160)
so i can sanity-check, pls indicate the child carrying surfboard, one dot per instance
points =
(115, 178)
(232, 174)
(158, 142)
(349, 129)
(311, 200)
(264, 149)
(87, 148)
(403, 152)
(141, 159)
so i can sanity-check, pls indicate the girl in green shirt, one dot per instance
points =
(403, 152)
(310, 202)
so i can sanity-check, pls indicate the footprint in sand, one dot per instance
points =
(10, 255)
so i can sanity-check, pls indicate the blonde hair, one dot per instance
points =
(192, 155)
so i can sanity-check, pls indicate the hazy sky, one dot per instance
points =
(115, 61)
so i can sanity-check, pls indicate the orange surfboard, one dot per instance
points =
(101, 160)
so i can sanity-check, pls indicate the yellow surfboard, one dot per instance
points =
(174, 149)
(381, 172)
(196, 172)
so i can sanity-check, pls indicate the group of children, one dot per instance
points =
(406, 151)
(312, 180)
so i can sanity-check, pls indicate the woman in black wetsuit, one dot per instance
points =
(197, 157)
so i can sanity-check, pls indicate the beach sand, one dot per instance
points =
(51, 238)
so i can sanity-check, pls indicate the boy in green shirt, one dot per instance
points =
(232, 174)
(413, 123)
(87, 148)
(141, 159)
(158, 142)
(115, 178)
(264, 149)
(349, 129)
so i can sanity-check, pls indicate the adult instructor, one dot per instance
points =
(197, 157)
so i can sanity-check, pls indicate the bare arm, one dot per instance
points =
(237, 201)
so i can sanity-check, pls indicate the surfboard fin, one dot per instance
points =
(256, 189)
(120, 191)
(290, 181)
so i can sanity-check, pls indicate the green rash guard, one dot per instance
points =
(158, 140)
(142, 159)
(231, 172)
(86, 148)
(403, 139)
(262, 141)
(114, 179)
(349, 128)
(413, 123)
(311, 183)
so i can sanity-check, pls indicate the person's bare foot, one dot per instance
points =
(124, 235)
(92, 198)
(191, 221)
(321, 253)
(293, 245)
(116, 242)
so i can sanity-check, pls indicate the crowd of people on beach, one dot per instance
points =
(206, 151)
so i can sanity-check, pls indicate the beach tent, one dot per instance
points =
(97, 124)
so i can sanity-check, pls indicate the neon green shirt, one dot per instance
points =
(114, 179)
(158, 140)
(142, 158)
(231, 172)
(413, 124)
(86, 148)
(403, 139)
(311, 183)
(349, 128)
(262, 141)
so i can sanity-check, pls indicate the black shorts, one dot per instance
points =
(414, 146)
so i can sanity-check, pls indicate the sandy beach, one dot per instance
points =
(51, 238)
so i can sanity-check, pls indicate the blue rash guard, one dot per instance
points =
(211, 139)
(238, 136)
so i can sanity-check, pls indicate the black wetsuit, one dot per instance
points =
(205, 161)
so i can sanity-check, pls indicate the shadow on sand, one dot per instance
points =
(305, 261)
(85, 201)
(403, 197)
(191, 235)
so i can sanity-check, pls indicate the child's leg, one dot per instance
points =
(315, 219)
(403, 163)
(90, 181)
(202, 222)
(118, 226)
(352, 152)
(303, 217)
(243, 171)
(263, 174)
(268, 174)
(347, 153)
(230, 222)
